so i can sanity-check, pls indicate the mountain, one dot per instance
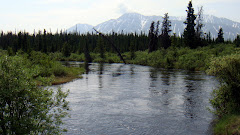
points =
(134, 22)
(83, 28)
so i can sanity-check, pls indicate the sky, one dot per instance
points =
(53, 15)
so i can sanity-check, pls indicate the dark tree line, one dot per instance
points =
(71, 42)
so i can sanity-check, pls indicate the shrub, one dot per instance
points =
(26, 108)
(227, 69)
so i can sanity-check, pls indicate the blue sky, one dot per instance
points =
(61, 14)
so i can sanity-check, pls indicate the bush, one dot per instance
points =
(195, 60)
(76, 57)
(47, 66)
(227, 69)
(26, 108)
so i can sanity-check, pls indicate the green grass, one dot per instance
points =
(228, 125)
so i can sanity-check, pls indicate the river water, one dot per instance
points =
(118, 99)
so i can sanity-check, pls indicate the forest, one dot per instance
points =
(32, 60)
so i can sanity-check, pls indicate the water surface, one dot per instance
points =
(114, 99)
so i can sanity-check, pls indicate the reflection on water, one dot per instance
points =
(130, 99)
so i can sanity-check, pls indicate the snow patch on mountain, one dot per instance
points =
(134, 22)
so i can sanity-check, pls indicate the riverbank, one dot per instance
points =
(225, 99)
(171, 58)
(72, 74)
(227, 125)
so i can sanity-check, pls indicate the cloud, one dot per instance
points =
(122, 8)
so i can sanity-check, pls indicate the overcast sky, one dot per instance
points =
(61, 14)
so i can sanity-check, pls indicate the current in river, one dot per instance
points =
(119, 99)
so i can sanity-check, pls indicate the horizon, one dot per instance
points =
(29, 15)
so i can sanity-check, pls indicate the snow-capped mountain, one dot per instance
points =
(83, 28)
(134, 22)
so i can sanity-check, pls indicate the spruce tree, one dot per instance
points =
(100, 47)
(220, 38)
(199, 26)
(165, 37)
(237, 41)
(189, 32)
(199, 23)
(66, 50)
(88, 58)
(151, 37)
(132, 49)
(44, 42)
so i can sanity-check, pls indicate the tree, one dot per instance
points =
(44, 42)
(26, 108)
(165, 37)
(153, 37)
(209, 38)
(220, 38)
(88, 58)
(189, 32)
(100, 47)
(237, 41)
(66, 50)
(199, 23)
(132, 49)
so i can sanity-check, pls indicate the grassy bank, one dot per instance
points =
(71, 74)
(177, 58)
(226, 101)
(48, 71)
(228, 125)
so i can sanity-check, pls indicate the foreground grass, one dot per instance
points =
(228, 125)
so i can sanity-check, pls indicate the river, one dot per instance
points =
(118, 99)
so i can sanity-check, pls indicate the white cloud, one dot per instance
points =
(122, 8)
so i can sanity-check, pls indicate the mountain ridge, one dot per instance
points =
(135, 22)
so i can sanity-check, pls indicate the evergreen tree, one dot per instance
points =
(132, 49)
(19, 41)
(100, 47)
(237, 41)
(88, 58)
(44, 41)
(199, 26)
(151, 36)
(66, 50)
(189, 32)
(199, 23)
(220, 38)
(165, 37)
(209, 38)
(174, 40)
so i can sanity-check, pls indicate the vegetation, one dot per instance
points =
(26, 108)
(226, 98)
(189, 32)
(165, 36)
(28, 61)
(228, 125)
(220, 38)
